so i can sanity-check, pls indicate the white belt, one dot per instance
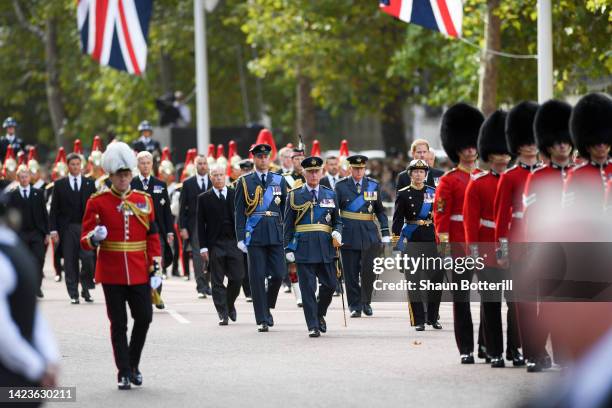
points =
(518, 214)
(487, 223)
(456, 217)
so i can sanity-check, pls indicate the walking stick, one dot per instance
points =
(339, 276)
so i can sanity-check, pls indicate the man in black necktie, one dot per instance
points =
(192, 188)
(70, 195)
(332, 168)
(217, 239)
(34, 228)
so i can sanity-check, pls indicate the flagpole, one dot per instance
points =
(202, 111)
(545, 51)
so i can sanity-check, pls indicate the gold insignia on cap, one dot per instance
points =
(313, 162)
(358, 160)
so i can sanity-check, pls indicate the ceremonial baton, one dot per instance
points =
(339, 274)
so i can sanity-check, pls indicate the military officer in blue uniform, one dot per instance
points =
(146, 142)
(312, 232)
(360, 204)
(260, 205)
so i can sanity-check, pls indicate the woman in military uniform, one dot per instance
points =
(414, 233)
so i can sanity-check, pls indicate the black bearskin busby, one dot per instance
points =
(551, 125)
(459, 129)
(591, 122)
(519, 126)
(492, 138)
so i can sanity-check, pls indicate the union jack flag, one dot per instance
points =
(114, 32)
(444, 16)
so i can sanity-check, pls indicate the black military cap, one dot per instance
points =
(418, 164)
(261, 148)
(312, 163)
(245, 164)
(357, 160)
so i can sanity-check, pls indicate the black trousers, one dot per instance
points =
(417, 299)
(35, 241)
(359, 276)
(266, 263)
(462, 316)
(138, 297)
(307, 278)
(246, 286)
(72, 252)
(225, 259)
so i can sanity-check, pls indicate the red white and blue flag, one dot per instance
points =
(114, 32)
(444, 16)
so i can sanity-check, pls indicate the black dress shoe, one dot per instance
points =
(40, 294)
(136, 377)
(545, 361)
(249, 299)
(367, 310)
(87, 297)
(467, 358)
(482, 353)
(270, 319)
(516, 357)
(322, 324)
(497, 362)
(356, 313)
(208, 291)
(533, 366)
(160, 306)
(223, 321)
(262, 328)
(74, 301)
(436, 325)
(232, 314)
(123, 383)
(419, 327)
(314, 333)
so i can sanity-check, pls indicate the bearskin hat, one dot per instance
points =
(551, 125)
(459, 129)
(591, 122)
(492, 139)
(519, 126)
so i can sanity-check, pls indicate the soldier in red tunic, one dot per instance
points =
(542, 200)
(459, 134)
(479, 225)
(119, 224)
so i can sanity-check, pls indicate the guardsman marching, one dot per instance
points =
(459, 134)
(120, 224)
(414, 233)
(542, 198)
(360, 204)
(509, 226)
(260, 203)
(312, 222)
(479, 225)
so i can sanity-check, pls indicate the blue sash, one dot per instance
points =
(408, 229)
(253, 220)
(359, 201)
(318, 212)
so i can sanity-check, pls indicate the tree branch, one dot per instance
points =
(37, 31)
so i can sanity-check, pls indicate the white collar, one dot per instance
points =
(145, 139)
(260, 173)
(142, 178)
(26, 188)
(75, 177)
(223, 190)
(311, 188)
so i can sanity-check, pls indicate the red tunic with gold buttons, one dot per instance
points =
(479, 215)
(509, 202)
(126, 256)
(586, 185)
(448, 214)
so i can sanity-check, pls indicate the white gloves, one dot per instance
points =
(156, 281)
(337, 236)
(99, 233)
(290, 257)
(242, 246)
(386, 240)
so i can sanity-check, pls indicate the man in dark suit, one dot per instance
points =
(145, 142)
(419, 150)
(332, 169)
(158, 191)
(10, 139)
(192, 188)
(217, 239)
(70, 195)
(34, 230)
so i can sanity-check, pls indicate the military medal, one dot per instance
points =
(277, 200)
(328, 217)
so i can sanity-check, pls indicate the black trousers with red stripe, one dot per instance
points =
(138, 297)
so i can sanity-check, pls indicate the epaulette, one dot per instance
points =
(404, 188)
(143, 193)
(49, 186)
(99, 193)
(325, 187)
(511, 168)
(450, 171)
(295, 188)
(342, 180)
(479, 175)
(579, 166)
(372, 179)
(539, 168)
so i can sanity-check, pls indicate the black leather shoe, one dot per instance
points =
(208, 291)
(314, 333)
(498, 362)
(87, 297)
(123, 383)
(516, 357)
(74, 301)
(419, 327)
(367, 310)
(356, 313)
(482, 353)
(136, 377)
(270, 319)
(545, 361)
(467, 358)
(262, 328)
(533, 367)
(232, 314)
(40, 294)
(160, 306)
(223, 321)
(436, 325)
(322, 324)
